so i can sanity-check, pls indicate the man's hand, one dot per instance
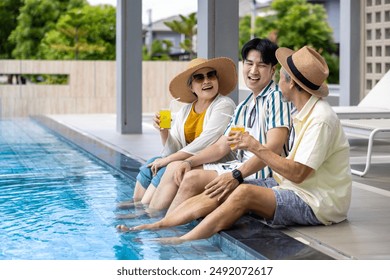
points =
(242, 141)
(223, 185)
(181, 170)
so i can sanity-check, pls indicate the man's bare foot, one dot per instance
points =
(123, 228)
(170, 240)
(150, 212)
(140, 227)
(146, 226)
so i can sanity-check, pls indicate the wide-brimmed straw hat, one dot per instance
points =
(226, 72)
(307, 68)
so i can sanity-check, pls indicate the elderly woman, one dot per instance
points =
(203, 86)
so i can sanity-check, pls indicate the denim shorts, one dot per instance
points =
(145, 175)
(290, 208)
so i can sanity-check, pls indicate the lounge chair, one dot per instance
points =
(376, 104)
(371, 129)
(369, 120)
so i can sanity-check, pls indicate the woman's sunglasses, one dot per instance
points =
(200, 77)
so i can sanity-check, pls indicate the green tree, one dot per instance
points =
(244, 30)
(295, 23)
(159, 51)
(9, 10)
(187, 27)
(306, 24)
(267, 28)
(36, 18)
(82, 33)
(302, 24)
(101, 27)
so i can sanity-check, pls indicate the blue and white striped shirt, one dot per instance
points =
(271, 112)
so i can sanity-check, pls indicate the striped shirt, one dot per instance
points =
(271, 112)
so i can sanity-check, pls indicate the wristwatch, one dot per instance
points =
(237, 175)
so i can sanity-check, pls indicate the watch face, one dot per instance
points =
(237, 175)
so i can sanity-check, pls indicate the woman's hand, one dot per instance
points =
(181, 170)
(156, 123)
(157, 164)
(223, 185)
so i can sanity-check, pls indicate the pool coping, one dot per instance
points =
(250, 238)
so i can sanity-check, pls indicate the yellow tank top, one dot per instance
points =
(193, 126)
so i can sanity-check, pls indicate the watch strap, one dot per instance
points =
(238, 175)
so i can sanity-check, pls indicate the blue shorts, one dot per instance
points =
(145, 175)
(290, 208)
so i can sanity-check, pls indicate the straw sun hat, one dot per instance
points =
(226, 72)
(307, 68)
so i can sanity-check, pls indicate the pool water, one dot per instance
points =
(57, 202)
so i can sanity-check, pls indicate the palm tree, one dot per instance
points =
(187, 27)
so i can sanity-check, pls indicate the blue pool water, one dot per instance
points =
(57, 202)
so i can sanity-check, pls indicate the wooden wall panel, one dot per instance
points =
(91, 88)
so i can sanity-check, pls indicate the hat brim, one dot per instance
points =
(226, 72)
(281, 55)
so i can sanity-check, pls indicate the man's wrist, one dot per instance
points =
(188, 161)
(237, 175)
(260, 151)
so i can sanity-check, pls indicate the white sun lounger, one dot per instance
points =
(361, 112)
(376, 104)
(371, 129)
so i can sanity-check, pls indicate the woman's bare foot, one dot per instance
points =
(128, 204)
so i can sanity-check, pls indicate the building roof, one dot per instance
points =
(160, 26)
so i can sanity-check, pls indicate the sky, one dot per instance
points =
(160, 9)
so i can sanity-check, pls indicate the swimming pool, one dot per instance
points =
(57, 202)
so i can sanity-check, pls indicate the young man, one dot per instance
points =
(313, 184)
(263, 114)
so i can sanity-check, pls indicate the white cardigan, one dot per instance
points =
(214, 125)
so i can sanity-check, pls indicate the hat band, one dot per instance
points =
(299, 75)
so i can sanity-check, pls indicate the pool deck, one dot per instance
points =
(365, 235)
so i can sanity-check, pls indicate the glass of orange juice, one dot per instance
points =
(237, 127)
(165, 118)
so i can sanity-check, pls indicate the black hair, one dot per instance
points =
(264, 46)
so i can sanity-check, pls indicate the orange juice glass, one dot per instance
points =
(240, 128)
(165, 118)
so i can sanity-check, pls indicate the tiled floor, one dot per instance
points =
(364, 236)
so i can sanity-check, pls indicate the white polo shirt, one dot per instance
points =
(321, 144)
